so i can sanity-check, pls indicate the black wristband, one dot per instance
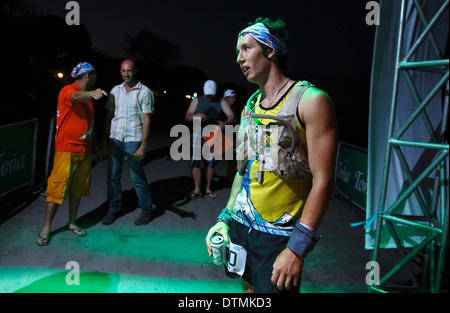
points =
(302, 240)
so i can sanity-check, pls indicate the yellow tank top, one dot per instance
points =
(275, 205)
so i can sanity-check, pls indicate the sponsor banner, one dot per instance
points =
(351, 174)
(17, 155)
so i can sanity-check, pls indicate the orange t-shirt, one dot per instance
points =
(74, 122)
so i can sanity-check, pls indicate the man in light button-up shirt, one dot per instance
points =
(129, 107)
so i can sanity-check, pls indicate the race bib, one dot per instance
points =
(236, 259)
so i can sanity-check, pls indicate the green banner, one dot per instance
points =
(351, 174)
(17, 150)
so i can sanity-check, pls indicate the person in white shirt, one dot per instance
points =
(129, 107)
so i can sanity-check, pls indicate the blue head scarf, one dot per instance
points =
(82, 68)
(261, 33)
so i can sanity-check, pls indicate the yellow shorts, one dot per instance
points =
(71, 175)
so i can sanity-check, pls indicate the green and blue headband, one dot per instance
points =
(261, 33)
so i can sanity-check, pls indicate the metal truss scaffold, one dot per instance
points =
(432, 249)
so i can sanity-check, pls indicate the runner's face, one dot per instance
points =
(251, 58)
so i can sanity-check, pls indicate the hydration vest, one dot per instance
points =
(280, 146)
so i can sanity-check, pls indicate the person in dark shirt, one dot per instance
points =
(207, 111)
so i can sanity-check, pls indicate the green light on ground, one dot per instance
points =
(33, 280)
(186, 247)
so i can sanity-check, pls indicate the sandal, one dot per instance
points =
(78, 231)
(211, 194)
(194, 195)
(44, 241)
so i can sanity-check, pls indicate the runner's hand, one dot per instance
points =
(221, 228)
(287, 270)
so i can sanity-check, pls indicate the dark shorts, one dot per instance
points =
(262, 251)
(197, 158)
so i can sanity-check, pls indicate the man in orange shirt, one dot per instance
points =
(73, 152)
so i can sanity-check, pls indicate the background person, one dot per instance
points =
(230, 97)
(208, 111)
(70, 175)
(129, 107)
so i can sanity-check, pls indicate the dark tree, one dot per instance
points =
(152, 51)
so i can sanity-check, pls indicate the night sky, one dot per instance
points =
(330, 45)
(328, 39)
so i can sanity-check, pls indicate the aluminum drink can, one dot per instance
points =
(218, 249)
